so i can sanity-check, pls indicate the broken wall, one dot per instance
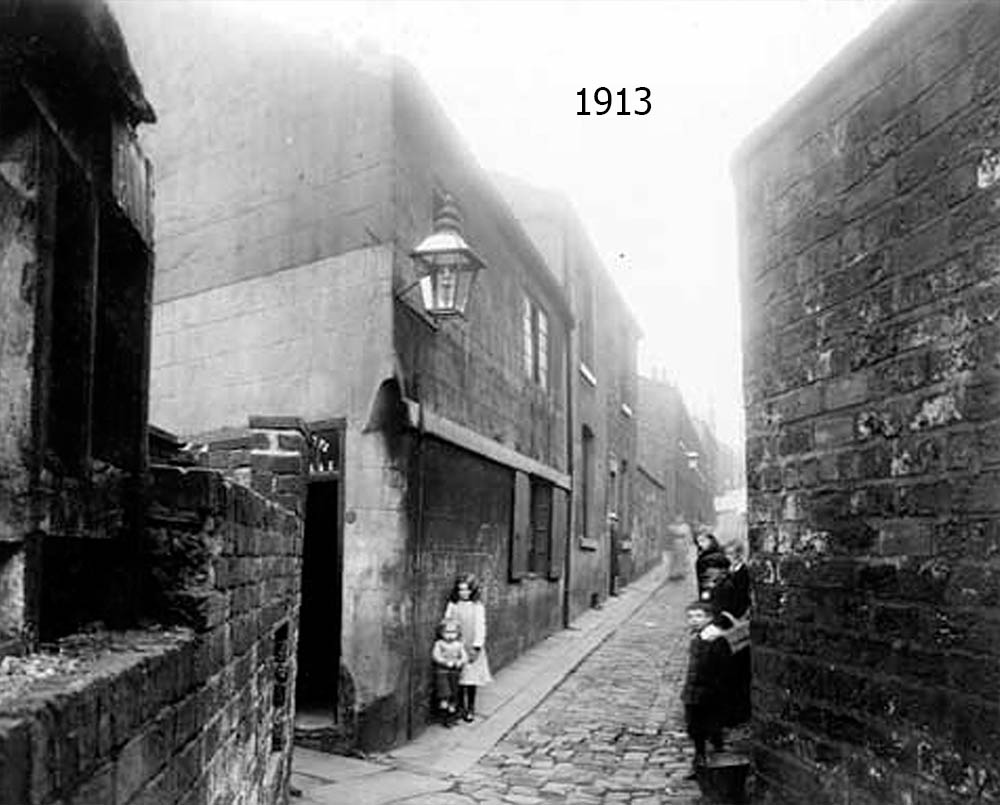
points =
(196, 712)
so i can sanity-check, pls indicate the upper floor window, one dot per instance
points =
(536, 343)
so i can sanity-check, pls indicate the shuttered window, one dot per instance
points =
(541, 526)
(521, 527)
(538, 538)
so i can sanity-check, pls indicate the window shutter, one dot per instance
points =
(559, 532)
(521, 527)
(541, 526)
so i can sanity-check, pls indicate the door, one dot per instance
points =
(316, 689)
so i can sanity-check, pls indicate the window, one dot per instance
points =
(98, 339)
(538, 536)
(541, 526)
(74, 273)
(587, 479)
(535, 329)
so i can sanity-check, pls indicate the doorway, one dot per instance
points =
(318, 675)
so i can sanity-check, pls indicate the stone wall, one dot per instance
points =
(194, 713)
(285, 342)
(871, 283)
(262, 167)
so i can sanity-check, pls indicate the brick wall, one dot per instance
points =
(194, 713)
(269, 456)
(871, 279)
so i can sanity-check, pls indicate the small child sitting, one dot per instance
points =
(704, 693)
(449, 657)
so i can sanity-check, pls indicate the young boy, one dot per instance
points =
(449, 657)
(704, 687)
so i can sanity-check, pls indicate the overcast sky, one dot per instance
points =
(654, 191)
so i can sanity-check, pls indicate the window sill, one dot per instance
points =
(587, 543)
(587, 375)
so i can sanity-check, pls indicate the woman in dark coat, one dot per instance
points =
(731, 600)
(732, 594)
(710, 564)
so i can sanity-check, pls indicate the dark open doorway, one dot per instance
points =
(316, 690)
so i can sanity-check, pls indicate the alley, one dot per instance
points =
(612, 732)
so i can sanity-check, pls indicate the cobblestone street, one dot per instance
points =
(612, 732)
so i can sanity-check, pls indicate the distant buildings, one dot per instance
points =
(674, 452)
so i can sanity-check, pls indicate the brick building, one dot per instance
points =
(672, 449)
(870, 258)
(608, 545)
(295, 181)
(673, 491)
(147, 615)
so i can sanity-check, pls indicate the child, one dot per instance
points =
(449, 659)
(465, 607)
(710, 564)
(704, 688)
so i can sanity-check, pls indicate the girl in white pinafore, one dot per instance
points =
(465, 607)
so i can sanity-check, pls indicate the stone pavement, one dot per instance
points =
(591, 715)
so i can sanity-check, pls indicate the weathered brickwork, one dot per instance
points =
(194, 713)
(269, 456)
(871, 284)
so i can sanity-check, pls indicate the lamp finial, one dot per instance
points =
(448, 217)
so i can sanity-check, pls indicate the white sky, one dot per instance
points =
(654, 191)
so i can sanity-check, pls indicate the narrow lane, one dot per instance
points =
(612, 732)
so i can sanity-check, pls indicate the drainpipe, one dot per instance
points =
(415, 570)
(570, 519)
